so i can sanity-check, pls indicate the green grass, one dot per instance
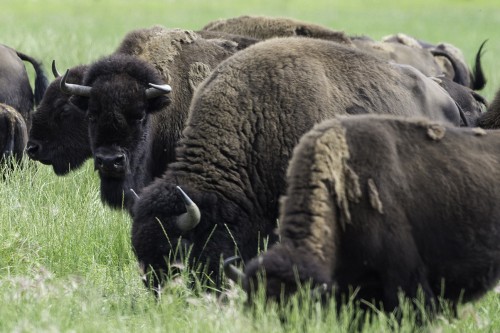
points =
(65, 260)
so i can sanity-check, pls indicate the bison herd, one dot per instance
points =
(361, 164)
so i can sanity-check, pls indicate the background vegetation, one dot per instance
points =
(65, 260)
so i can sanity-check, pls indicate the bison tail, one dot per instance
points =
(41, 80)
(478, 79)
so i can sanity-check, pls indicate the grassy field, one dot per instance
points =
(65, 260)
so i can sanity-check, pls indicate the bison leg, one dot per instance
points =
(405, 274)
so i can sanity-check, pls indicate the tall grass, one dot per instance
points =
(66, 262)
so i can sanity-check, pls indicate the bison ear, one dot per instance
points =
(157, 103)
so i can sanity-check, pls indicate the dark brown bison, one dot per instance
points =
(244, 121)
(59, 131)
(133, 135)
(15, 88)
(385, 204)
(13, 134)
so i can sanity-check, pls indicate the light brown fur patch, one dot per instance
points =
(374, 196)
(436, 132)
(479, 131)
(197, 73)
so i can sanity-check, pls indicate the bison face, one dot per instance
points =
(118, 114)
(59, 132)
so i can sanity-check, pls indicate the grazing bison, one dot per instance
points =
(385, 204)
(59, 131)
(449, 58)
(15, 88)
(13, 133)
(244, 121)
(132, 128)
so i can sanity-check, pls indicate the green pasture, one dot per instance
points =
(66, 263)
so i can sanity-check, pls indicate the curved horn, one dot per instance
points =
(231, 271)
(157, 90)
(191, 218)
(73, 89)
(54, 70)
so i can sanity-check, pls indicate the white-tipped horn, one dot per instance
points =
(191, 218)
(73, 89)
(157, 90)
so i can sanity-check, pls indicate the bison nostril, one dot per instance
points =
(119, 160)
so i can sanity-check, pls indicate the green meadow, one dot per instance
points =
(66, 263)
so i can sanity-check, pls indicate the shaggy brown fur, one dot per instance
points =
(244, 121)
(433, 221)
(13, 133)
(262, 27)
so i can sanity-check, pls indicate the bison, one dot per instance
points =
(15, 88)
(59, 132)
(13, 134)
(243, 123)
(386, 204)
(133, 134)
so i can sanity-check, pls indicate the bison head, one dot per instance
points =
(119, 93)
(59, 131)
(163, 235)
